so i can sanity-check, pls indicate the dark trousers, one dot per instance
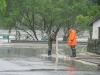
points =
(49, 52)
(49, 47)
(73, 51)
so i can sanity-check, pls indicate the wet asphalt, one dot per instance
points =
(32, 59)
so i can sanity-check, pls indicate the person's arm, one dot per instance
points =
(72, 36)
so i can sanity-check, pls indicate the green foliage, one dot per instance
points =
(94, 12)
(94, 2)
(83, 21)
(47, 15)
(2, 6)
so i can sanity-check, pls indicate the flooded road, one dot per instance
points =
(33, 60)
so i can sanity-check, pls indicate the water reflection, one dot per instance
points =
(71, 69)
(49, 58)
(98, 67)
(13, 52)
(56, 62)
(52, 61)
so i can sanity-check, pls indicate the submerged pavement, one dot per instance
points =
(32, 59)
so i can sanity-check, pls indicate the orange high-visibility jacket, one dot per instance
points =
(72, 38)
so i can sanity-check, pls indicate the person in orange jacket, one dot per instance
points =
(72, 41)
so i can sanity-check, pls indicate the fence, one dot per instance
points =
(94, 46)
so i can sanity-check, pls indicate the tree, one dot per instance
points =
(2, 6)
(72, 10)
(84, 20)
(44, 15)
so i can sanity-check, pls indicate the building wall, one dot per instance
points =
(96, 26)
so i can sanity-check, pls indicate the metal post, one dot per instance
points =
(56, 53)
(95, 45)
(56, 46)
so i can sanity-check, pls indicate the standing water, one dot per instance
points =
(32, 59)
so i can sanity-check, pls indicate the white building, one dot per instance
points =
(96, 28)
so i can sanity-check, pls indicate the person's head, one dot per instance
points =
(70, 29)
(53, 33)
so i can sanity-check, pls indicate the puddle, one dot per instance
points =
(36, 59)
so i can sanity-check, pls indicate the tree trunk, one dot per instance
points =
(33, 28)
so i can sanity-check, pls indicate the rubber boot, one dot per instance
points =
(73, 53)
(49, 52)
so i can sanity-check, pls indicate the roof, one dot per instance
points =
(94, 21)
